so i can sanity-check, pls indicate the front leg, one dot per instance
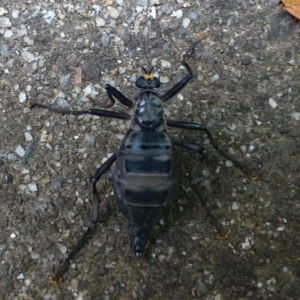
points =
(71, 111)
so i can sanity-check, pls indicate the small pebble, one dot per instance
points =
(139, 9)
(186, 23)
(78, 76)
(63, 80)
(5, 22)
(20, 151)
(28, 136)
(63, 249)
(15, 13)
(8, 34)
(228, 163)
(141, 2)
(235, 206)
(177, 13)
(35, 255)
(105, 39)
(215, 77)
(296, 116)
(32, 187)
(200, 287)
(114, 13)
(3, 11)
(74, 284)
(164, 79)
(273, 103)
(122, 70)
(259, 284)
(20, 276)
(28, 56)
(165, 63)
(243, 148)
(218, 297)
(22, 97)
(232, 127)
(100, 22)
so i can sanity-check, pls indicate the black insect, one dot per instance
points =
(144, 179)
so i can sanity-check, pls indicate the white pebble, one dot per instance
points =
(165, 63)
(27, 282)
(20, 276)
(20, 150)
(15, 13)
(63, 249)
(113, 123)
(177, 13)
(100, 22)
(232, 127)
(114, 13)
(8, 34)
(32, 187)
(35, 255)
(259, 284)
(122, 70)
(215, 77)
(13, 235)
(164, 79)
(20, 33)
(5, 22)
(186, 22)
(243, 148)
(28, 56)
(296, 116)
(139, 9)
(119, 136)
(28, 136)
(235, 206)
(228, 163)
(3, 11)
(272, 102)
(251, 148)
(89, 92)
(22, 97)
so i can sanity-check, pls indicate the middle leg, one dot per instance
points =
(198, 126)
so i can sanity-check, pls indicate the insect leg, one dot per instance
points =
(183, 82)
(100, 171)
(199, 149)
(69, 110)
(179, 85)
(113, 92)
(189, 146)
(198, 126)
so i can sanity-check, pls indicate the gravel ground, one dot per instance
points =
(246, 89)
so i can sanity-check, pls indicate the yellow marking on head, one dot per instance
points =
(148, 76)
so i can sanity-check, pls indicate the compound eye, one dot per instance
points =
(140, 82)
(156, 82)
